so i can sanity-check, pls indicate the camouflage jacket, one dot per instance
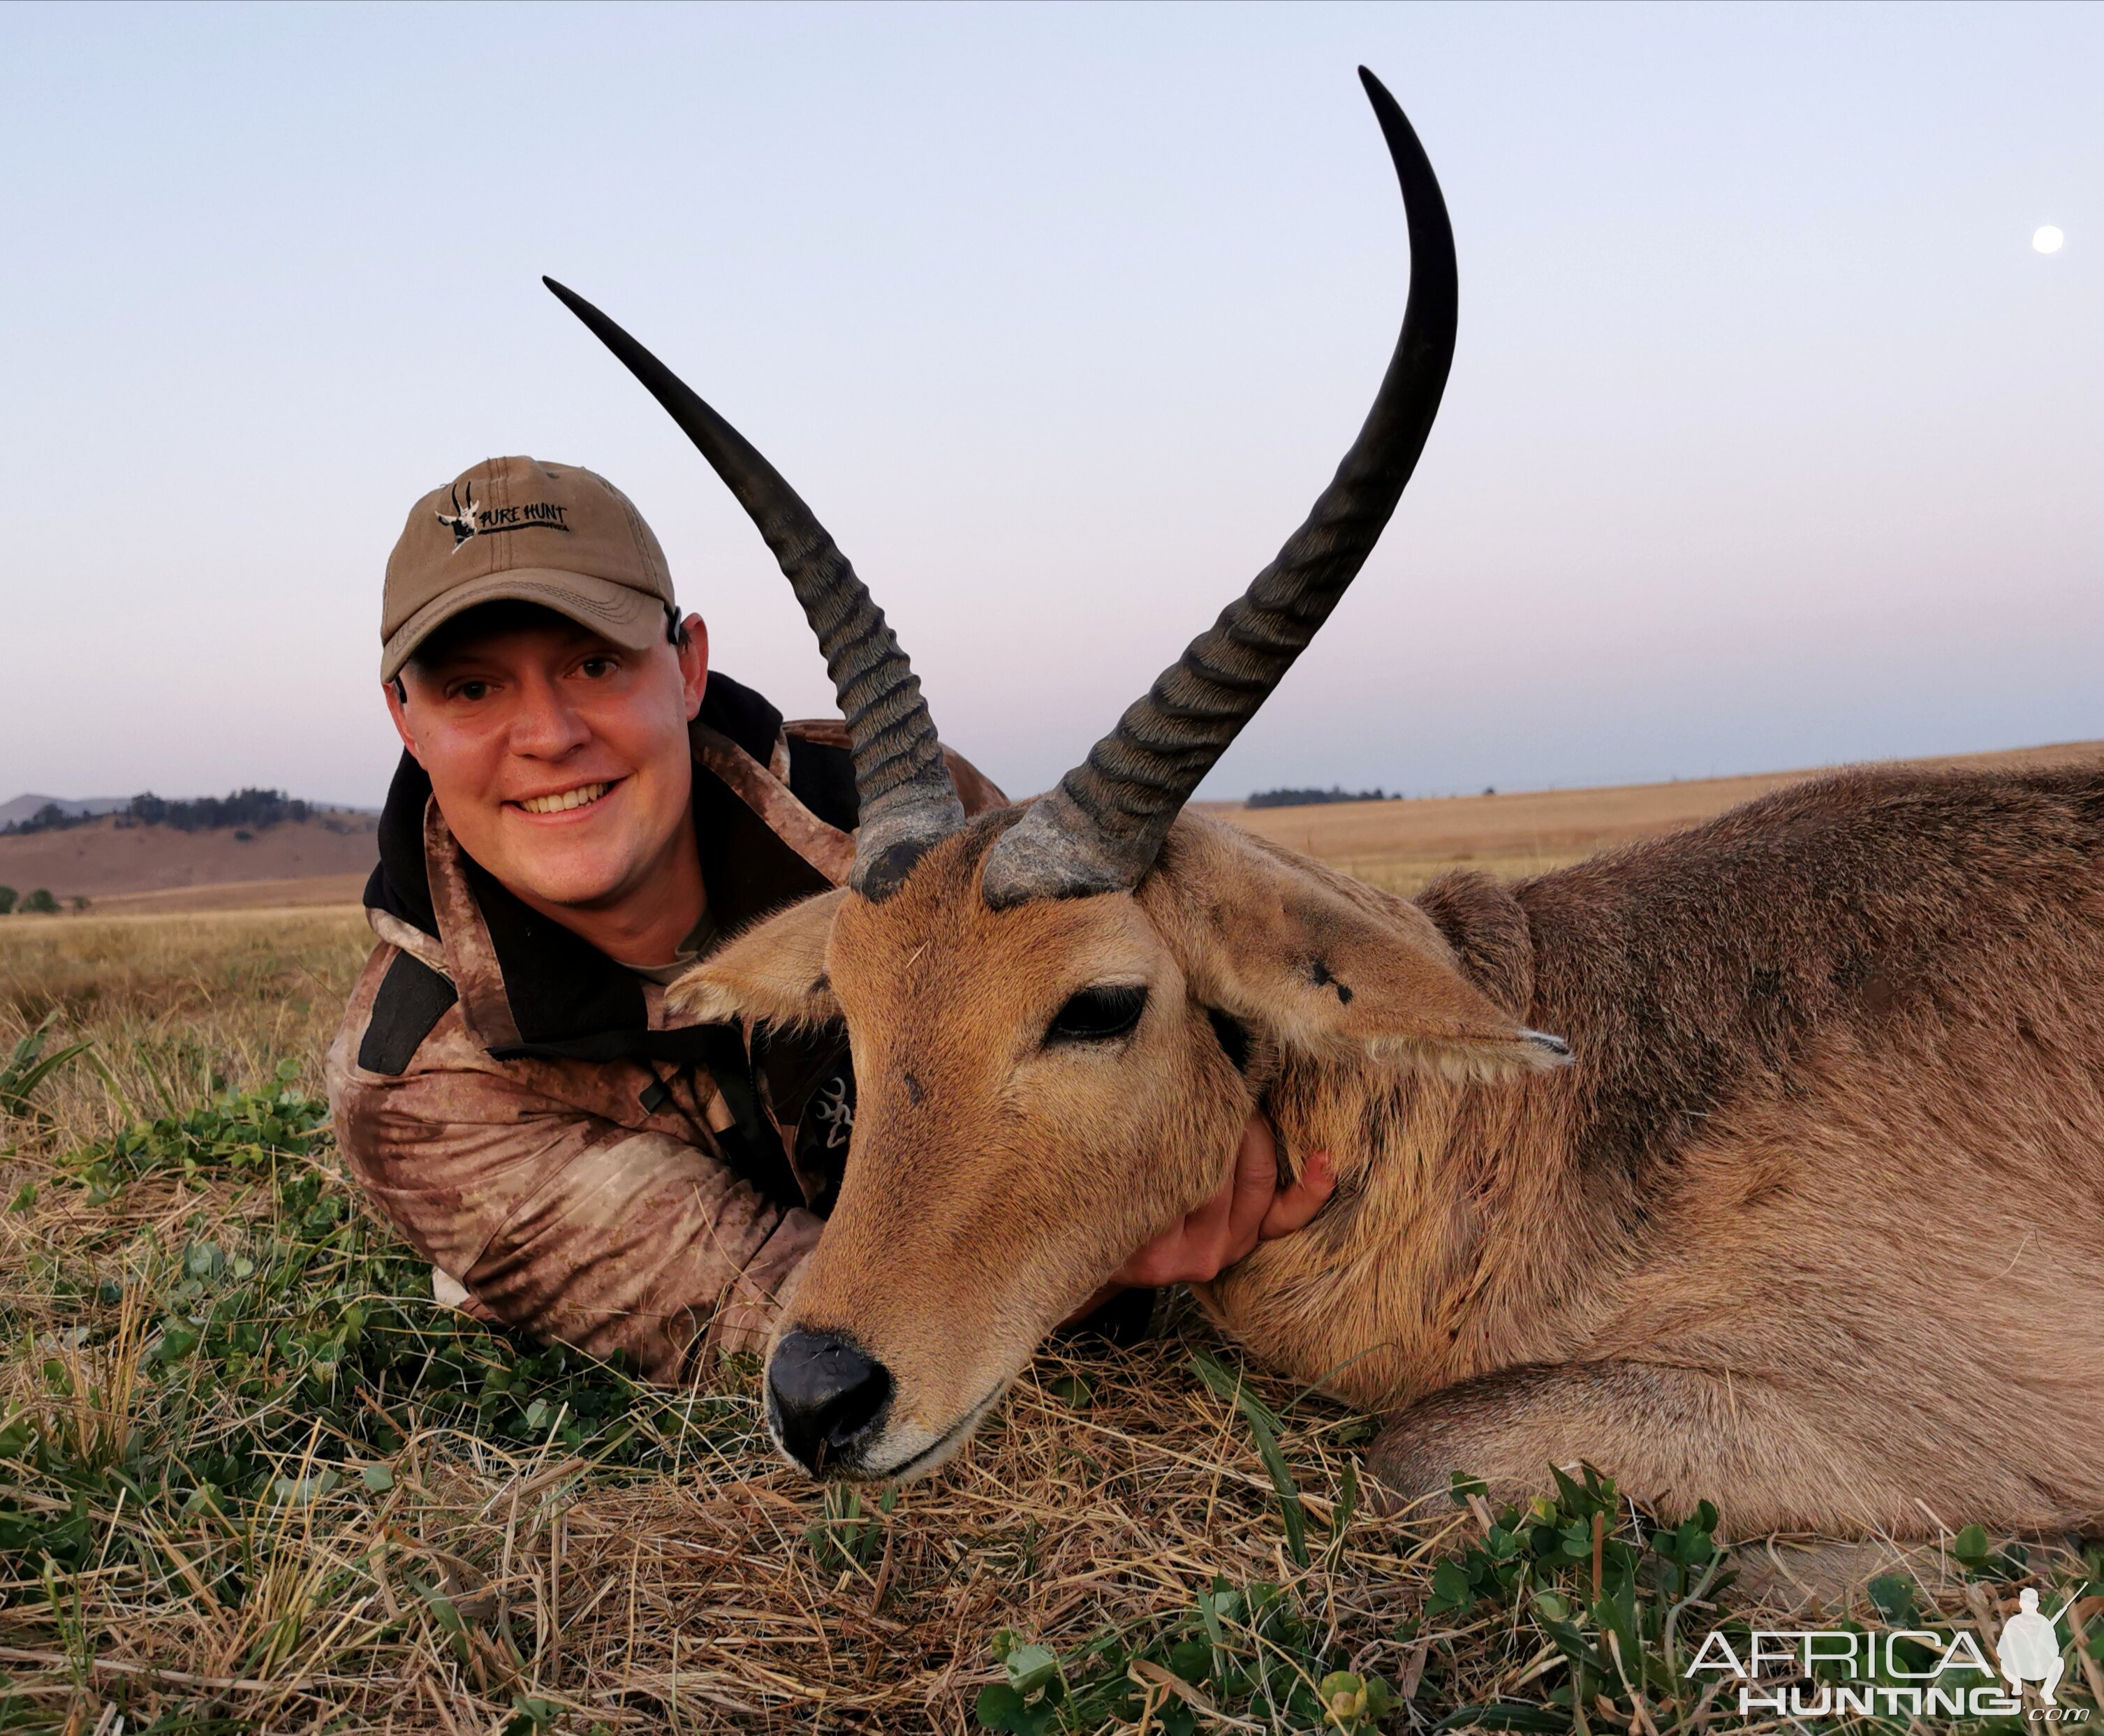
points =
(523, 1109)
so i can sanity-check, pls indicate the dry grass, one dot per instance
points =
(393, 1548)
(1402, 844)
(306, 892)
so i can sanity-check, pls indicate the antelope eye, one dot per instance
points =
(1096, 1015)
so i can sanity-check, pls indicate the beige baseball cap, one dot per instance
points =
(515, 529)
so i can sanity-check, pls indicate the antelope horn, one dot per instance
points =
(1102, 829)
(906, 800)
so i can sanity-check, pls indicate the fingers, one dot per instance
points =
(1155, 1263)
(1173, 1256)
(1255, 1186)
(1292, 1207)
(1250, 1206)
(1207, 1231)
(1222, 1229)
(1256, 1162)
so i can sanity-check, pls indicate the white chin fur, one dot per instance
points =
(899, 1456)
(911, 1451)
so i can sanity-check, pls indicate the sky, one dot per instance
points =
(1771, 441)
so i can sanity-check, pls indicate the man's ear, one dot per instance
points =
(1326, 961)
(398, 715)
(693, 658)
(775, 972)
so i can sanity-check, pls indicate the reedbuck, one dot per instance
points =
(1801, 1207)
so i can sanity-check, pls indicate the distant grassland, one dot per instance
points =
(143, 870)
(252, 1478)
(1404, 844)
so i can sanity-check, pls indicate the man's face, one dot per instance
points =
(559, 761)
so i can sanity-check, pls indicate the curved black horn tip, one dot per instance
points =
(1377, 93)
(597, 322)
(569, 298)
(1388, 111)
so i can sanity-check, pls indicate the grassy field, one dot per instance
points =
(251, 1478)
(1402, 844)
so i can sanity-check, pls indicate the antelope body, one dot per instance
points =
(1798, 1210)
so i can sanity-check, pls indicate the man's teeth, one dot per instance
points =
(577, 798)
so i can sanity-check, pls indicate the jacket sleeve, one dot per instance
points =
(565, 1225)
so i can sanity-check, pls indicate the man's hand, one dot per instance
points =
(1251, 1207)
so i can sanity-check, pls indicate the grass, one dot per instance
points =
(251, 1478)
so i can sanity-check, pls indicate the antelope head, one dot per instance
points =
(1061, 1016)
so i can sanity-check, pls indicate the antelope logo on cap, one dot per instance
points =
(461, 518)
(474, 520)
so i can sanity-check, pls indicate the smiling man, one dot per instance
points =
(582, 809)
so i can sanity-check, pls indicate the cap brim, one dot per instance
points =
(633, 619)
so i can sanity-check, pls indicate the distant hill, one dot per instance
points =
(252, 807)
(112, 855)
(23, 806)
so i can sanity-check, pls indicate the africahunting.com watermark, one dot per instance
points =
(1835, 1672)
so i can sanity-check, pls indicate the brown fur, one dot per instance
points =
(1810, 1225)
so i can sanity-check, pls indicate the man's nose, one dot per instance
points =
(823, 1394)
(544, 726)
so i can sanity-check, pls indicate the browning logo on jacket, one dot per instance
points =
(516, 1103)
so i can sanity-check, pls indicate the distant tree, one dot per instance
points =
(243, 808)
(248, 807)
(49, 818)
(1293, 798)
(8, 897)
(40, 902)
(79, 903)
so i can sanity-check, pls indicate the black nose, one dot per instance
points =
(823, 1392)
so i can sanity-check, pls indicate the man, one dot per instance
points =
(2030, 1650)
(582, 809)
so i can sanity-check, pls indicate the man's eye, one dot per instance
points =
(593, 669)
(1098, 1014)
(472, 690)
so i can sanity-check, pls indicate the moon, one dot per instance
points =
(2048, 240)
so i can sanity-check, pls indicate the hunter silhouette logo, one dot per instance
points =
(475, 520)
(2029, 1649)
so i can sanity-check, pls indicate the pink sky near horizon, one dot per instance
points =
(1770, 441)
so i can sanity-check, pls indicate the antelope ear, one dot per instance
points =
(1327, 961)
(775, 972)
